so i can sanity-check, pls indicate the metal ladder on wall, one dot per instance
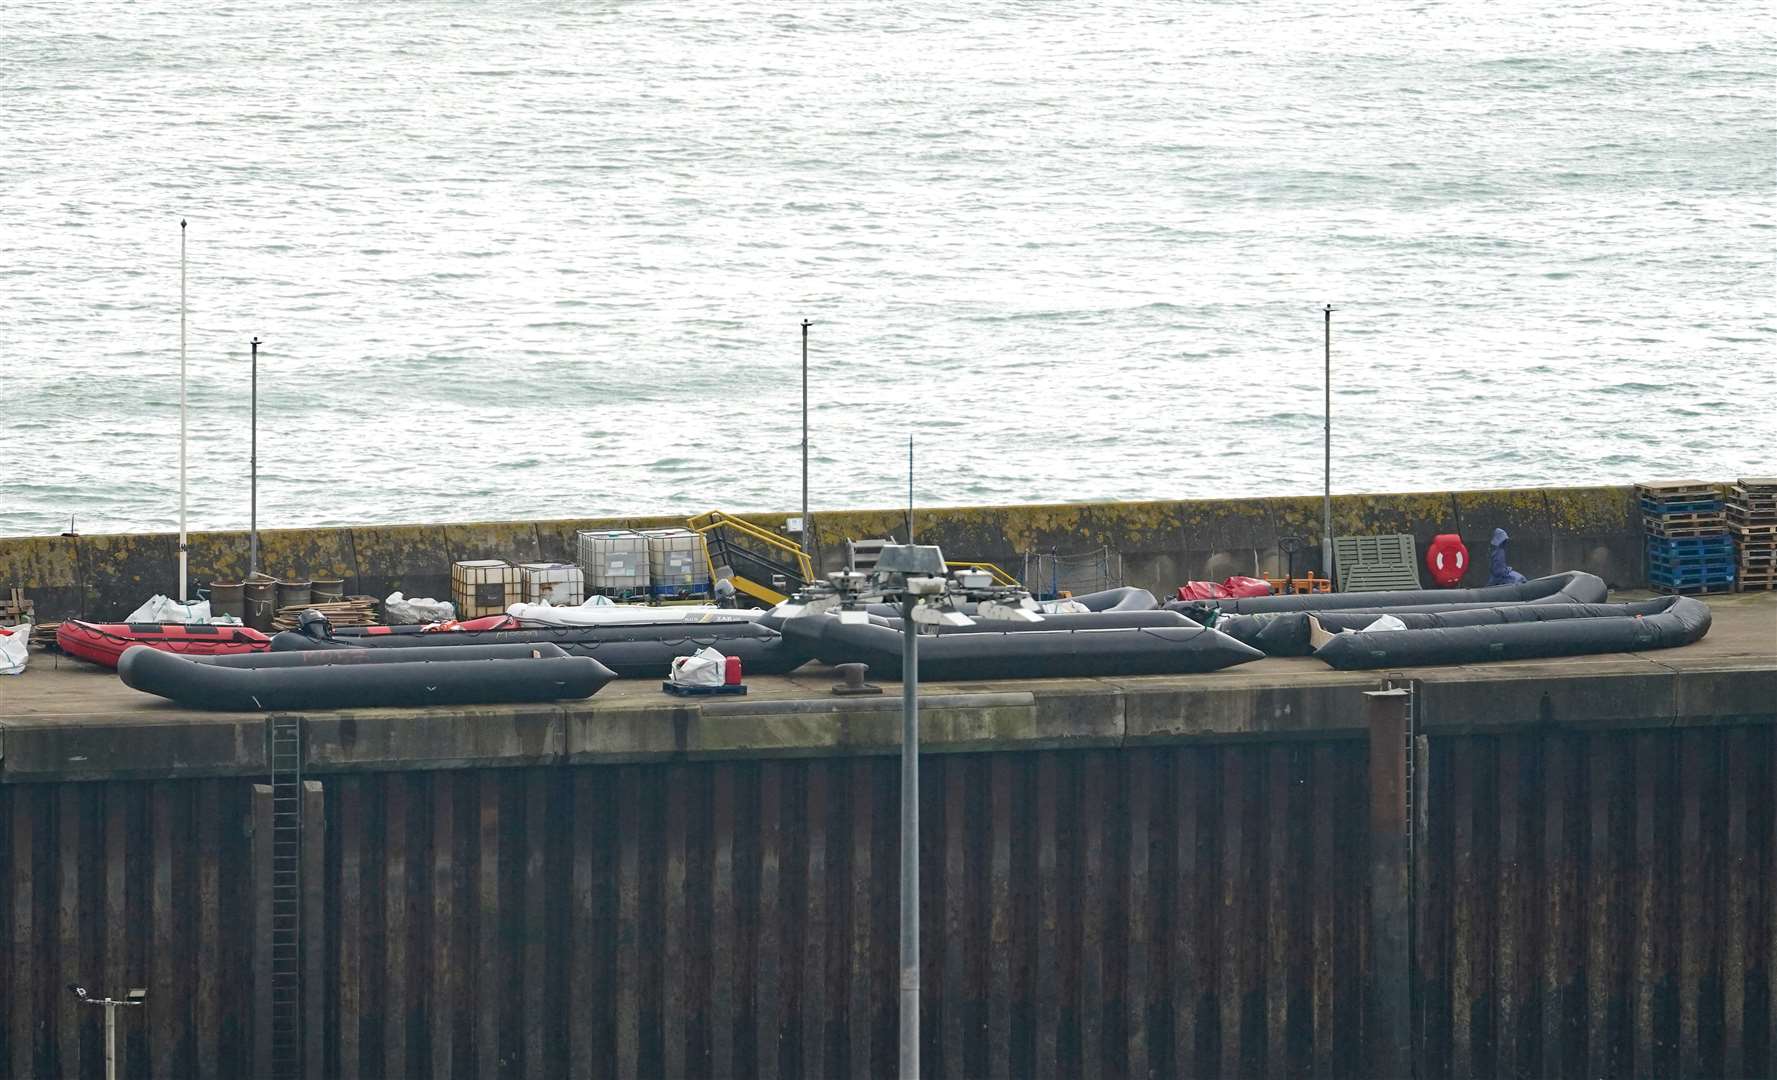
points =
(284, 756)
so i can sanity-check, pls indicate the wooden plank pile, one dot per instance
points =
(352, 611)
(15, 608)
(1688, 546)
(1752, 519)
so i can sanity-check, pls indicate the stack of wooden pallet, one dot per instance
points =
(352, 611)
(15, 609)
(1752, 519)
(1688, 546)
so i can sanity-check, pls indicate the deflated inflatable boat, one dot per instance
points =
(1288, 633)
(1508, 633)
(630, 650)
(356, 678)
(1573, 587)
(992, 653)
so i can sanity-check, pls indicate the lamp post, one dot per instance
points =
(182, 552)
(253, 471)
(1326, 505)
(804, 537)
(916, 579)
(136, 997)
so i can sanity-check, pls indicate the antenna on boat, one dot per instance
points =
(182, 553)
(910, 488)
(253, 472)
(1326, 506)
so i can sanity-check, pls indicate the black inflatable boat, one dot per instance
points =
(357, 678)
(631, 651)
(1572, 587)
(1125, 599)
(1288, 633)
(1024, 654)
(1508, 633)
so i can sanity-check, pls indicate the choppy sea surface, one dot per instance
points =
(514, 260)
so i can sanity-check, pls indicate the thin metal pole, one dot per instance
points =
(182, 552)
(110, 1041)
(909, 1057)
(909, 489)
(253, 472)
(804, 537)
(1326, 506)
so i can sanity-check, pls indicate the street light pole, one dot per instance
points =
(1326, 506)
(804, 536)
(253, 471)
(182, 552)
(909, 1056)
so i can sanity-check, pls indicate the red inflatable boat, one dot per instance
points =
(103, 643)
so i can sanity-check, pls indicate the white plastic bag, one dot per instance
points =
(1386, 622)
(398, 610)
(15, 646)
(164, 609)
(703, 668)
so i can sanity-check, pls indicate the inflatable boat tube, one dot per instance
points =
(486, 622)
(344, 680)
(1125, 599)
(632, 651)
(1287, 633)
(1682, 621)
(1153, 650)
(1098, 620)
(103, 643)
(607, 614)
(1572, 587)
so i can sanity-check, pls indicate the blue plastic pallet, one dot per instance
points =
(1725, 551)
(1719, 540)
(1699, 506)
(1685, 578)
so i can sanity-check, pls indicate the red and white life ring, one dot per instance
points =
(1446, 559)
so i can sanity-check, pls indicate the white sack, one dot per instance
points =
(398, 610)
(15, 644)
(164, 609)
(1386, 622)
(702, 668)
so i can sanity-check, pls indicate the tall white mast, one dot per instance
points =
(182, 587)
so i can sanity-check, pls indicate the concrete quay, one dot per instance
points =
(67, 720)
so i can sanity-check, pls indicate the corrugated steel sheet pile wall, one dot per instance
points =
(1599, 905)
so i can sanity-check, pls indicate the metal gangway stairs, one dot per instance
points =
(763, 566)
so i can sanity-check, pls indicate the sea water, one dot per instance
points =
(513, 260)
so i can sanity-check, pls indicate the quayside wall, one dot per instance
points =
(1162, 544)
(1591, 882)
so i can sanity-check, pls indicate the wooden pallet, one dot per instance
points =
(1758, 484)
(1738, 495)
(1678, 489)
(1758, 584)
(1753, 535)
(15, 608)
(1738, 516)
(1680, 529)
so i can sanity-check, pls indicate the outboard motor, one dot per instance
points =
(313, 624)
(1501, 571)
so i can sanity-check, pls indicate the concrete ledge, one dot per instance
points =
(384, 739)
(128, 748)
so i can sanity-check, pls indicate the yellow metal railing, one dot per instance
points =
(716, 519)
(1000, 577)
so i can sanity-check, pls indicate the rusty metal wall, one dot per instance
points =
(1599, 905)
(1586, 905)
(1188, 912)
(119, 885)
